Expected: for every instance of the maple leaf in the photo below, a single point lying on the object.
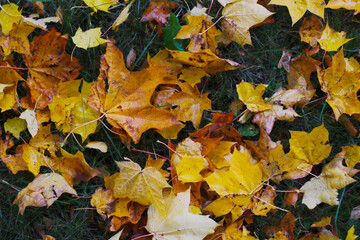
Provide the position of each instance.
(104, 201)
(201, 33)
(239, 17)
(69, 108)
(49, 64)
(297, 8)
(311, 30)
(43, 191)
(252, 97)
(144, 186)
(341, 86)
(88, 39)
(347, 4)
(127, 101)
(101, 5)
(265, 202)
(234, 232)
(9, 16)
(352, 155)
(331, 40)
(40, 151)
(236, 180)
(17, 39)
(324, 188)
(192, 75)
(176, 222)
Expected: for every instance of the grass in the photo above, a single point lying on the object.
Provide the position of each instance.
(73, 218)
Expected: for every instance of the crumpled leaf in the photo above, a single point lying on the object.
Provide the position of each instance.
(297, 8)
(323, 188)
(243, 177)
(88, 39)
(158, 11)
(205, 59)
(126, 103)
(176, 222)
(144, 186)
(341, 86)
(101, 5)
(311, 30)
(331, 40)
(240, 16)
(43, 191)
(48, 65)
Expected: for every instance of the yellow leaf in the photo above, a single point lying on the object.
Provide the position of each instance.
(9, 16)
(265, 202)
(206, 60)
(102, 5)
(325, 221)
(188, 170)
(331, 40)
(122, 17)
(236, 204)
(350, 235)
(323, 188)
(43, 191)
(221, 155)
(243, 177)
(311, 30)
(252, 97)
(174, 221)
(32, 124)
(103, 200)
(144, 186)
(15, 126)
(17, 40)
(310, 147)
(240, 16)
(341, 86)
(347, 4)
(352, 155)
(88, 39)
(297, 8)
(192, 75)
(233, 232)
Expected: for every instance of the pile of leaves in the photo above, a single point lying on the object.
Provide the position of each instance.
(215, 180)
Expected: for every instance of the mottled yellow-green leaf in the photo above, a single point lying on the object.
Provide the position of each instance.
(15, 126)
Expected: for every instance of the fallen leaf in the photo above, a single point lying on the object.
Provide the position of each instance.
(347, 4)
(331, 40)
(144, 186)
(297, 8)
(176, 222)
(192, 75)
(101, 146)
(239, 17)
(88, 39)
(252, 96)
(265, 202)
(32, 124)
(43, 191)
(101, 5)
(311, 30)
(325, 221)
(350, 234)
(122, 17)
(158, 11)
(341, 86)
(15, 126)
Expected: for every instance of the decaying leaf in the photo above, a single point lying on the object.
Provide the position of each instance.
(43, 191)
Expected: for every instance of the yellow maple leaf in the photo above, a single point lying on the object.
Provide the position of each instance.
(310, 147)
(234, 232)
(43, 191)
(88, 39)
(323, 188)
(17, 39)
(236, 204)
(201, 33)
(252, 96)
(239, 17)
(350, 235)
(9, 17)
(188, 170)
(192, 75)
(102, 5)
(341, 86)
(297, 8)
(331, 40)
(144, 186)
(237, 179)
(174, 221)
(347, 4)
